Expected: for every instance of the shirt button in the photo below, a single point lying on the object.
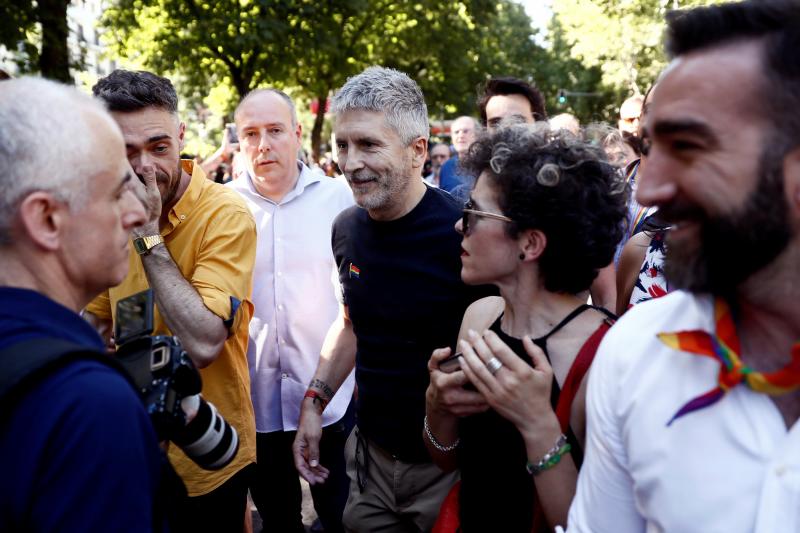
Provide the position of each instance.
(780, 470)
(183, 217)
(282, 341)
(280, 307)
(284, 375)
(280, 274)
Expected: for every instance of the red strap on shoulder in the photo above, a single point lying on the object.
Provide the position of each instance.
(576, 373)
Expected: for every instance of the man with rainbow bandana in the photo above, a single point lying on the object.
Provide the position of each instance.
(693, 399)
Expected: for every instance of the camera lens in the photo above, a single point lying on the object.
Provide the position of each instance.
(208, 439)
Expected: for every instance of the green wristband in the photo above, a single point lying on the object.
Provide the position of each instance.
(551, 458)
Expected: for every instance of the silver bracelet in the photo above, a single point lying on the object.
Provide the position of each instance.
(435, 442)
(551, 458)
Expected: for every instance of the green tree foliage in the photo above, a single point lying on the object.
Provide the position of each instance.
(37, 32)
(586, 96)
(599, 51)
(449, 47)
(621, 37)
(240, 42)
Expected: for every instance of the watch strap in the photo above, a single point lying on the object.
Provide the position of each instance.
(146, 243)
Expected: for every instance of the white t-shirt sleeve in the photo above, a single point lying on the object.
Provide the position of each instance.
(604, 501)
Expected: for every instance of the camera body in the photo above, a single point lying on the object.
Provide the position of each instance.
(169, 386)
(165, 376)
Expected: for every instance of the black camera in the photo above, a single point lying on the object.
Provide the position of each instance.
(169, 385)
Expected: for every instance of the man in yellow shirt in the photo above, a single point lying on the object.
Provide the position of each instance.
(196, 252)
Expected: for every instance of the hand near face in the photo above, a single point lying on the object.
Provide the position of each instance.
(151, 199)
(518, 392)
(446, 393)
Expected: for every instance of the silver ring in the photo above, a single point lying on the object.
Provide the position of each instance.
(494, 365)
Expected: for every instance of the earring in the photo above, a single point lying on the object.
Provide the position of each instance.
(521, 257)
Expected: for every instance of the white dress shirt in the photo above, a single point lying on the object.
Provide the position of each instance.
(294, 293)
(730, 467)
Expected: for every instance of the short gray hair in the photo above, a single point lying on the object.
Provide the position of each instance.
(390, 92)
(45, 144)
(286, 98)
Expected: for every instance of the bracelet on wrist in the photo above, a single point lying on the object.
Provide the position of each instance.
(436, 443)
(316, 397)
(551, 458)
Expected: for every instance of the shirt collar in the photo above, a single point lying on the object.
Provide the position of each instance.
(305, 179)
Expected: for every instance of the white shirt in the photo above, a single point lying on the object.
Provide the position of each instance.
(294, 293)
(730, 467)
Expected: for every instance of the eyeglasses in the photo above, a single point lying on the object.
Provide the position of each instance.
(469, 212)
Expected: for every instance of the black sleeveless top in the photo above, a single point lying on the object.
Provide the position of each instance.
(497, 493)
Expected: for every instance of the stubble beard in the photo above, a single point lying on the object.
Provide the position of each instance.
(386, 189)
(172, 183)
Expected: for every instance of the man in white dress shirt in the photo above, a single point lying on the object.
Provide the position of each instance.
(294, 292)
(675, 443)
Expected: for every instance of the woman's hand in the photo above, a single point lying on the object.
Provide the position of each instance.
(445, 401)
(446, 395)
(518, 392)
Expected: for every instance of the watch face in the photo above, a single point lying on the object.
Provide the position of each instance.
(139, 245)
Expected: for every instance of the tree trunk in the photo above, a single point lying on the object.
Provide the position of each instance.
(54, 59)
(316, 131)
(241, 81)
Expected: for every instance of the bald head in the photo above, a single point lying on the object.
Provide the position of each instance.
(629, 114)
(565, 121)
(50, 138)
(464, 131)
(254, 97)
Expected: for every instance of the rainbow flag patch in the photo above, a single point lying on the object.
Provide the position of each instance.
(354, 271)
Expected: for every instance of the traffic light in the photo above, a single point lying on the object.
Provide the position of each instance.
(562, 97)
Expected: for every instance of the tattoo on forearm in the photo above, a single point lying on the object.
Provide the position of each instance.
(322, 387)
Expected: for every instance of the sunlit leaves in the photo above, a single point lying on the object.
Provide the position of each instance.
(621, 37)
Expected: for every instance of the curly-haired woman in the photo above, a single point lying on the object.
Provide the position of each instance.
(546, 213)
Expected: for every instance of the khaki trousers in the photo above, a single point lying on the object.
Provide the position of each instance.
(388, 495)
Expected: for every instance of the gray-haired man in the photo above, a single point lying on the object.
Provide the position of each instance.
(399, 265)
(77, 450)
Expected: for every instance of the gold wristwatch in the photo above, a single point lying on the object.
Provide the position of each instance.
(142, 245)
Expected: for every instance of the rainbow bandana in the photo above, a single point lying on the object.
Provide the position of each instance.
(725, 348)
(641, 214)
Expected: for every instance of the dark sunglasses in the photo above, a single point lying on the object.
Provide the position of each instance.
(467, 218)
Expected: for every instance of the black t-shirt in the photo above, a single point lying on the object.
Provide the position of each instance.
(401, 281)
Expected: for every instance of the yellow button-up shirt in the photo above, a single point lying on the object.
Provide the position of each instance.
(211, 236)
